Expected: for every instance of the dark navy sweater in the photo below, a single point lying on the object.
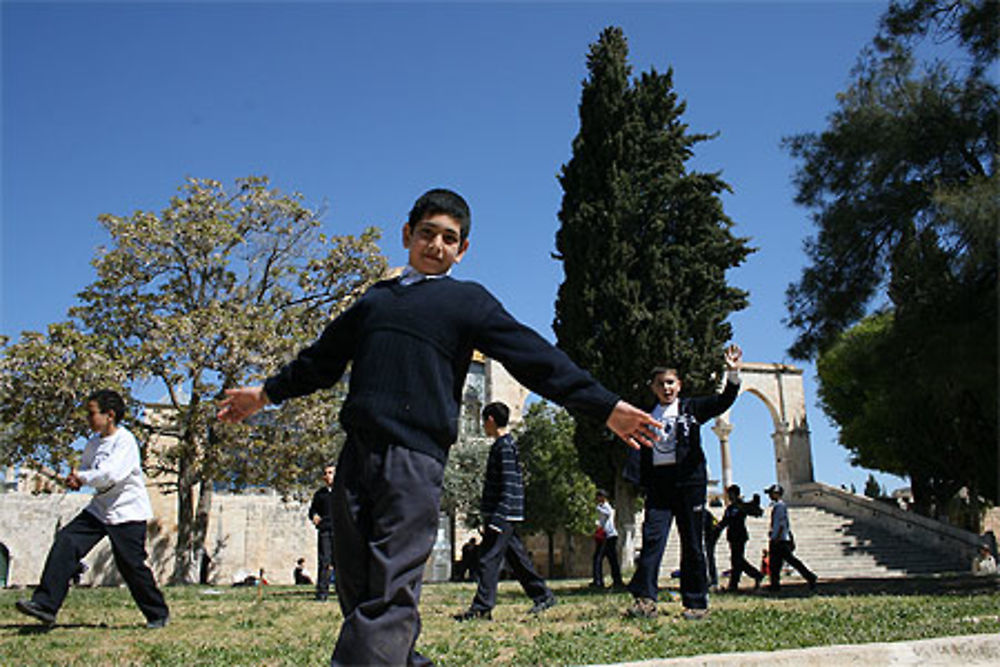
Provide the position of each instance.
(410, 347)
(503, 487)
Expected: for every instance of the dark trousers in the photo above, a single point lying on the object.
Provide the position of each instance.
(385, 520)
(781, 553)
(324, 563)
(710, 540)
(738, 564)
(128, 546)
(607, 548)
(496, 548)
(683, 504)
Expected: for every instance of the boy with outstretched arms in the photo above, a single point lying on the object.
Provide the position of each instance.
(674, 476)
(410, 341)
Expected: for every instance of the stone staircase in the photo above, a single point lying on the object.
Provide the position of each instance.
(834, 546)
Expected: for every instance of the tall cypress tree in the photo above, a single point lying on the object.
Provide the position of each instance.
(644, 243)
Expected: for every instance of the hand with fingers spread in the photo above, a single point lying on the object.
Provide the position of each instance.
(734, 357)
(241, 403)
(633, 425)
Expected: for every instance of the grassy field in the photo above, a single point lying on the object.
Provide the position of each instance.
(282, 625)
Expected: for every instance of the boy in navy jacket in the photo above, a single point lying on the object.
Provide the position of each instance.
(674, 477)
(410, 341)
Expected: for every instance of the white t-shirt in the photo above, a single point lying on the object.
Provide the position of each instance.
(111, 465)
(606, 519)
(665, 447)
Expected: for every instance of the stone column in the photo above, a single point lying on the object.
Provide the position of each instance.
(781, 458)
(722, 429)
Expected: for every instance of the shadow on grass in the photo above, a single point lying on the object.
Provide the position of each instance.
(953, 584)
(39, 629)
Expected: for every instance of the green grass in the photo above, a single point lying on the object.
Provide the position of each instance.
(232, 626)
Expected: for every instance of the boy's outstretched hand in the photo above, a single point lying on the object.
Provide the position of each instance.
(241, 403)
(633, 425)
(734, 357)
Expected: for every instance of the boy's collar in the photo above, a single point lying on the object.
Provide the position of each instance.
(410, 275)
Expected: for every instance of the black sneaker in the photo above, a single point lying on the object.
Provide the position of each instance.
(543, 604)
(33, 609)
(157, 623)
(474, 615)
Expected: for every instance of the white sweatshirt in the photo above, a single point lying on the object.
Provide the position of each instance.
(111, 465)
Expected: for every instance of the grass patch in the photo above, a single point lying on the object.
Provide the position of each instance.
(232, 626)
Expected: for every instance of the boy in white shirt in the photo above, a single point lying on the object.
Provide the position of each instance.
(120, 508)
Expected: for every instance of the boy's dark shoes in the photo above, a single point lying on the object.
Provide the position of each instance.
(543, 604)
(157, 623)
(474, 615)
(642, 608)
(31, 608)
(694, 614)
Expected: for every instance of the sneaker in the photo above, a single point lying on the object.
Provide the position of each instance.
(642, 608)
(32, 608)
(474, 615)
(157, 623)
(694, 614)
(543, 604)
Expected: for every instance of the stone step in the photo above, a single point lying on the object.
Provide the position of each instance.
(833, 546)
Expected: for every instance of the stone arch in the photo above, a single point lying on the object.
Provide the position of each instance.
(780, 388)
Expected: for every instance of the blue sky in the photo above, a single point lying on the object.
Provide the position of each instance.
(106, 108)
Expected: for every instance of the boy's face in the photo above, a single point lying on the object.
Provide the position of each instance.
(435, 243)
(666, 386)
(328, 473)
(99, 422)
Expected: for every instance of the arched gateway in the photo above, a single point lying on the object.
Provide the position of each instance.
(780, 388)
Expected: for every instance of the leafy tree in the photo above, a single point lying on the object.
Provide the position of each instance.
(558, 495)
(872, 487)
(644, 243)
(463, 480)
(906, 200)
(216, 290)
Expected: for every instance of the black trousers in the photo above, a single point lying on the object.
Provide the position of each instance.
(506, 546)
(385, 519)
(324, 563)
(607, 548)
(683, 504)
(128, 546)
(739, 564)
(781, 553)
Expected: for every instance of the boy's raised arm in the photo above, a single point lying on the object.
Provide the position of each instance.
(240, 403)
(633, 425)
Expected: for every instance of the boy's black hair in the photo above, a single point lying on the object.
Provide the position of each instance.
(108, 399)
(663, 369)
(440, 200)
(603, 493)
(500, 413)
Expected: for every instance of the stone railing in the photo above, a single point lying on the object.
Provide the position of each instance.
(921, 530)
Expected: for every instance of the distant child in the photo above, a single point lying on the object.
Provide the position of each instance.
(410, 342)
(674, 477)
(780, 544)
(299, 574)
(607, 546)
(119, 510)
(321, 516)
(502, 508)
(734, 522)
